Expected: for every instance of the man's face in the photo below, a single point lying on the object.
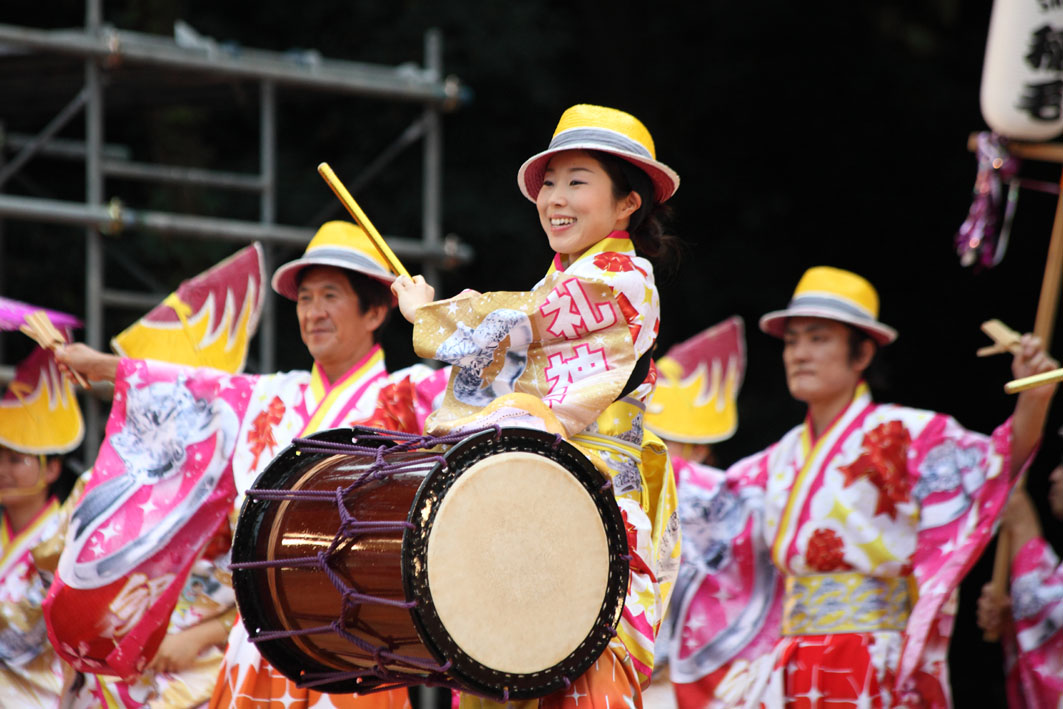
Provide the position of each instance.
(817, 362)
(331, 322)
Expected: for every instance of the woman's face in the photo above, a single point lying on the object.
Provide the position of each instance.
(18, 470)
(576, 204)
(23, 478)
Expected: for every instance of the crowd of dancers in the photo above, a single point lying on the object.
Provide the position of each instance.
(820, 572)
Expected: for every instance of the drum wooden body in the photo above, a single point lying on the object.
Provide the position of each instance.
(498, 566)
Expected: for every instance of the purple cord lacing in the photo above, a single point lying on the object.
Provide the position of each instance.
(349, 529)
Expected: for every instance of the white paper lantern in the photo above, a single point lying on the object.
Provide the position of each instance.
(1022, 78)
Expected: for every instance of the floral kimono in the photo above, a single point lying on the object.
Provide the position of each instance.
(31, 674)
(1035, 652)
(832, 562)
(564, 357)
(182, 445)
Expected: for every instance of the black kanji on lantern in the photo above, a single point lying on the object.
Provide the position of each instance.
(1046, 49)
(1043, 100)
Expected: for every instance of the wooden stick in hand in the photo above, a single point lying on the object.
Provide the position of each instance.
(325, 170)
(1036, 380)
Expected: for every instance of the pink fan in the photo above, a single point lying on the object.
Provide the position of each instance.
(13, 314)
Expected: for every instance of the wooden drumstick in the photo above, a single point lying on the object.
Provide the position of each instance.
(1036, 380)
(998, 584)
(359, 216)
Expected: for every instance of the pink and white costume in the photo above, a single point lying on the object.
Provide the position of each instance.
(828, 565)
(1035, 652)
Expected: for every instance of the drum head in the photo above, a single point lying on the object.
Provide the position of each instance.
(517, 562)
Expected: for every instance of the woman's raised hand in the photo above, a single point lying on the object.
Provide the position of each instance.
(412, 294)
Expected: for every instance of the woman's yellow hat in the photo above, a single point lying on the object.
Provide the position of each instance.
(834, 294)
(587, 127)
(339, 244)
(39, 413)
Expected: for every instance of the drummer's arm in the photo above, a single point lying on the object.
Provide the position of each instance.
(412, 294)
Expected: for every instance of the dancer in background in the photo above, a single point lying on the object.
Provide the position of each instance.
(39, 422)
(208, 321)
(1030, 622)
(870, 514)
(693, 407)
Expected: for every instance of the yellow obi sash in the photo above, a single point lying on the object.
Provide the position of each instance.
(823, 604)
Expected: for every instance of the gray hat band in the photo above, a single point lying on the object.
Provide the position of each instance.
(816, 301)
(605, 138)
(358, 261)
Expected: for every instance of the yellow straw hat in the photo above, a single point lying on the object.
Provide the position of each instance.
(696, 398)
(339, 244)
(39, 413)
(587, 127)
(834, 294)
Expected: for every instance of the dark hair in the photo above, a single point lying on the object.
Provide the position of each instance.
(646, 225)
(370, 291)
(857, 338)
(65, 482)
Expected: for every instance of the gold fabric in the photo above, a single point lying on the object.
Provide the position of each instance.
(574, 349)
(822, 604)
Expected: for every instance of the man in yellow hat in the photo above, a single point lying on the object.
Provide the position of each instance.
(39, 421)
(870, 514)
(341, 289)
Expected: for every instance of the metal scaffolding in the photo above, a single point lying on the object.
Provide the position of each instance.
(100, 47)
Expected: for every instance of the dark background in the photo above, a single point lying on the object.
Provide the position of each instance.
(832, 133)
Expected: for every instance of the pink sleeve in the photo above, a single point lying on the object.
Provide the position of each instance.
(727, 607)
(961, 480)
(1037, 605)
(161, 485)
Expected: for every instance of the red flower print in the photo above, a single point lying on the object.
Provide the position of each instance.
(884, 462)
(826, 551)
(395, 409)
(630, 315)
(261, 434)
(613, 262)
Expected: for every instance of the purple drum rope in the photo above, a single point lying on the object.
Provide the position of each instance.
(351, 528)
